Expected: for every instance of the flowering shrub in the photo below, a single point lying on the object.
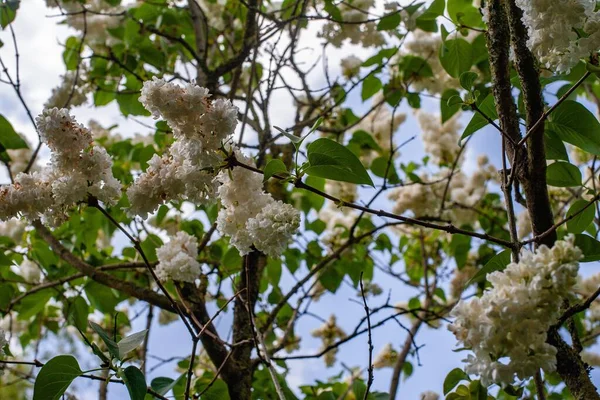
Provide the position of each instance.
(276, 182)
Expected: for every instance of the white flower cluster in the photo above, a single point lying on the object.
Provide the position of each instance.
(429, 395)
(366, 33)
(70, 93)
(386, 358)
(509, 322)
(95, 24)
(13, 229)
(338, 220)
(426, 45)
(591, 358)
(77, 169)
(552, 29)
(250, 216)
(30, 271)
(524, 228)
(19, 159)
(381, 123)
(200, 128)
(440, 140)
(350, 66)
(177, 259)
(329, 333)
(463, 193)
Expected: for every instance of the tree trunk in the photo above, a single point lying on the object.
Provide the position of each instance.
(530, 164)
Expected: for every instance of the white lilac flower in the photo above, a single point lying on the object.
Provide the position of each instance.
(365, 33)
(429, 395)
(77, 169)
(272, 228)
(187, 171)
(440, 140)
(70, 93)
(177, 259)
(30, 271)
(329, 333)
(351, 66)
(250, 216)
(552, 30)
(506, 327)
(13, 229)
(386, 358)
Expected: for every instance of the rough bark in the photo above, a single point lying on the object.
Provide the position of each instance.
(534, 184)
(239, 382)
(505, 24)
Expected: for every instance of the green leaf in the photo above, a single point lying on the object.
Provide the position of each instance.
(131, 342)
(575, 124)
(275, 167)
(7, 14)
(130, 105)
(563, 174)
(217, 391)
(463, 12)
(71, 53)
(9, 139)
(333, 11)
(460, 246)
(135, 382)
(487, 107)
(581, 221)
(113, 347)
(435, 10)
(389, 22)
(379, 166)
(101, 297)
(456, 56)
(467, 79)
(330, 160)
(370, 86)
(163, 385)
(589, 246)
(55, 377)
(293, 138)
(232, 259)
(555, 148)
(448, 108)
(77, 311)
(33, 304)
(453, 378)
(496, 263)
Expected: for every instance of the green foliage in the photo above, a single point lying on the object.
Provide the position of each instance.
(456, 56)
(370, 86)
(453, 378)
(135, 381)
(563, 174)
(575, 124)
(589, 246)
(163, 385)
(275, 167)
(497, 263)
(478, 121)
(55, 377)
(331, 160)
(582, 214)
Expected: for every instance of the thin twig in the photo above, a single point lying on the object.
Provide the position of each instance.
(369, 340)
